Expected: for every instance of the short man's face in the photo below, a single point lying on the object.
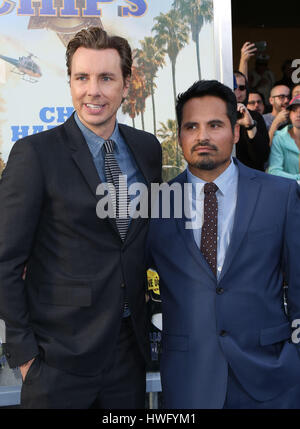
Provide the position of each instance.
(97, 88)
(240, 91)
(295, 116)
(206, 135)
(280, 97)
(255, 103)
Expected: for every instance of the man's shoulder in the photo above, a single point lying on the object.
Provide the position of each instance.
(277, 183)
(180, 178)
(48, 137)
(45, 135)
(268, 115)
(136, 133)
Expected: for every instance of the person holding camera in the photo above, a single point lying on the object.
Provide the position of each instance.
(252, 147)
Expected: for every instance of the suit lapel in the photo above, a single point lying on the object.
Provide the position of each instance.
(138, 150)
(187, 234)
(83, 159)
(248, 192)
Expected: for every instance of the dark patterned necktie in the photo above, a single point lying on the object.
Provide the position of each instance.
(112, 173)
(209, 231)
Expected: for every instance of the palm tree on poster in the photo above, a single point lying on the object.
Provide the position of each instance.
(136, 88)
(2, 165)
(196, 12)
(142, 87)
(172, 163)
(171, 35)
(150, 58)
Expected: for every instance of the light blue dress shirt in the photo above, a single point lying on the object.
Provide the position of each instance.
(284, 156)
(226, 195)
(122, 153)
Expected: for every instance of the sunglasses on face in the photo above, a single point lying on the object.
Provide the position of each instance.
(241, 87)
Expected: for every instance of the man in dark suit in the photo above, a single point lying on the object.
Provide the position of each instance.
(77, 325)
(226, 337)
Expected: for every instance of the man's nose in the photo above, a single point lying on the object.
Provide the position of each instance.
(202, 134)
(93, 88)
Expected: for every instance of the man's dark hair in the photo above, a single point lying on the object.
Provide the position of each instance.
(260, 94)
(214, 88)
(97, 38)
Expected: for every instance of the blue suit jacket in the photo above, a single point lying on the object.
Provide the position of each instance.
(240, 319)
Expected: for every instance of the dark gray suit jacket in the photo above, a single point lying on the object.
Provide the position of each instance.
(70, 304)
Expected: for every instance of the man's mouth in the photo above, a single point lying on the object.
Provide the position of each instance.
(94, 107)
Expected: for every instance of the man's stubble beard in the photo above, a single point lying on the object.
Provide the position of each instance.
(208, 164)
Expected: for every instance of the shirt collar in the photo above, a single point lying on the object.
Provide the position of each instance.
(224, 181)
(95, 142)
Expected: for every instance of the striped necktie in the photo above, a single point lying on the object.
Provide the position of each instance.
(112, 174)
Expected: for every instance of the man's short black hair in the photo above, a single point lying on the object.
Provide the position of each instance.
(214, 88)
(252, 91)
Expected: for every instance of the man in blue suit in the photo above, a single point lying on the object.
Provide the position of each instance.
(227, 339)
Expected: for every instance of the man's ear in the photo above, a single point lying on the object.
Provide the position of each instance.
(236, 133)
(178, 137)
(271, 100)
(127, 81)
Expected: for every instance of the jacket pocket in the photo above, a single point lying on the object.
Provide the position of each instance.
(276, 334)
(79, 296)
(175, 342)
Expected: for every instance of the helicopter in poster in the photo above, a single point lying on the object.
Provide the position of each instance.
(24, 66)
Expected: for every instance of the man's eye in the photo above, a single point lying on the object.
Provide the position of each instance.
(106, 78)
(81, 78)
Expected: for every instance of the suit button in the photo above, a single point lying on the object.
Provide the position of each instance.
(219, 290)
(7, 354)
(223, 333)
(122, 285)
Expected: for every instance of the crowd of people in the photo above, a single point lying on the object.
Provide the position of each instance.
(273, 145)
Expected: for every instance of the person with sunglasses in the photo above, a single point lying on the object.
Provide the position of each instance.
(252, 148)
(279, 100)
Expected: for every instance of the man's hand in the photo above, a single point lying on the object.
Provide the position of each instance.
(248, 50)
(282, 117)
(25, 367)
(246, 119)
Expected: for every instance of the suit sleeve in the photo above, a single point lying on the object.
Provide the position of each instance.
(292, 251)
(21, 197)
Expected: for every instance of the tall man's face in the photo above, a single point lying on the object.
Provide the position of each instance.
(97, 88)
(206, 136)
